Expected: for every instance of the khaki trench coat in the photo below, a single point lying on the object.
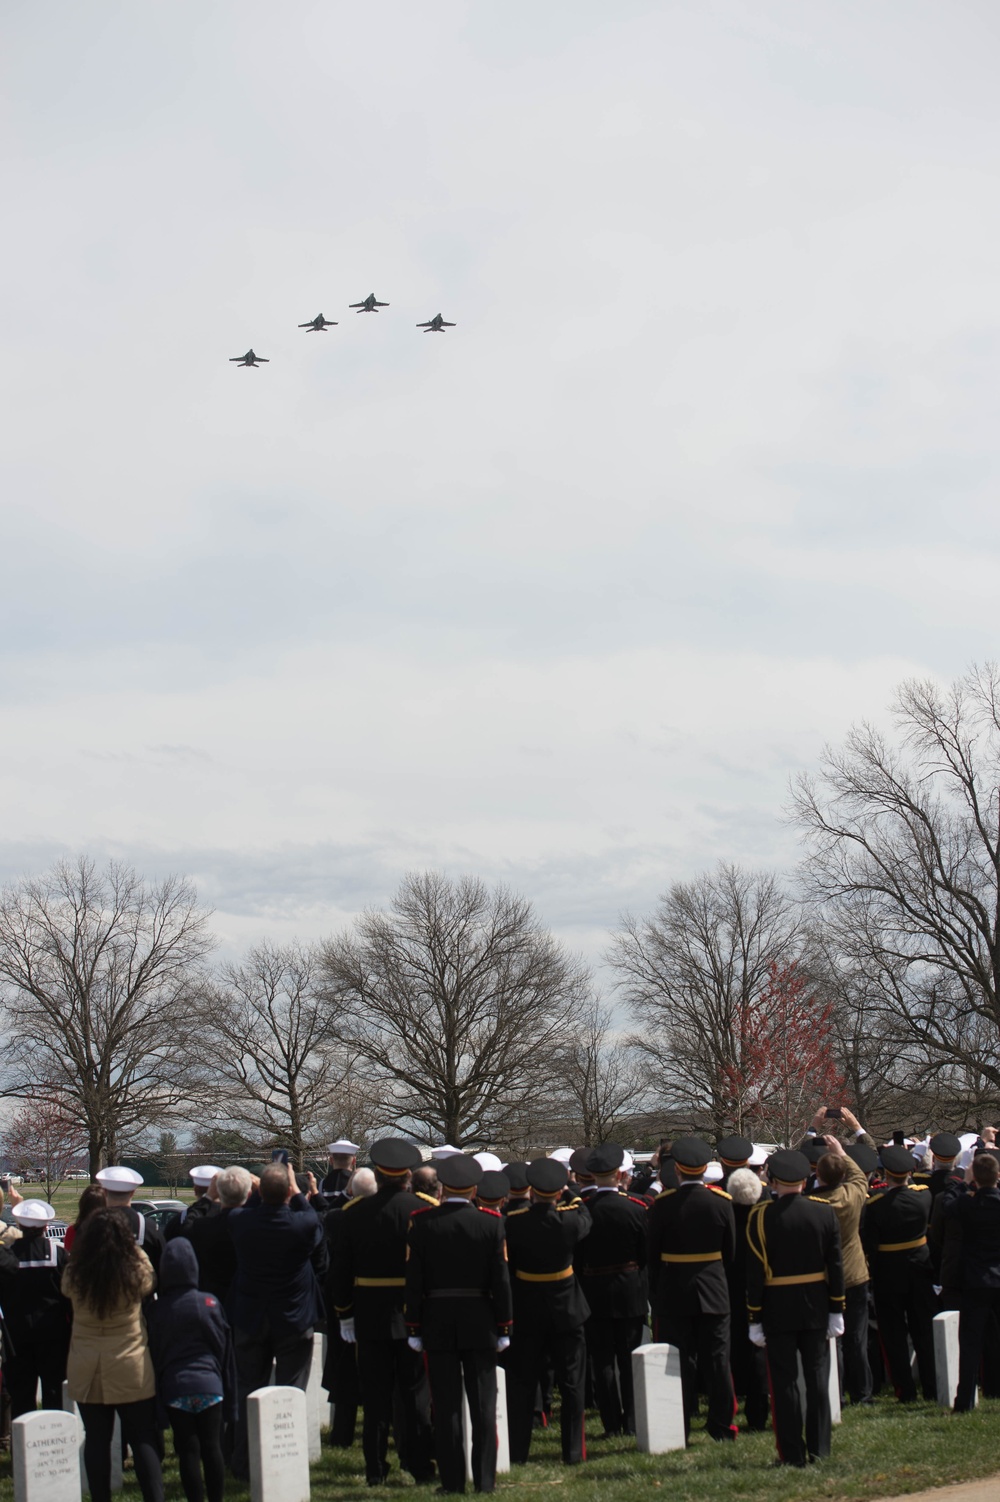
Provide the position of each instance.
(109, 1358)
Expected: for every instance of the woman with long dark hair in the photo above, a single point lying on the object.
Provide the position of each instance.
(109, 1367)
(93, 1198)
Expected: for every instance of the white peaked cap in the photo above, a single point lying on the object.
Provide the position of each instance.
(758, 1156)
(918, 1149)
(713, 1173)
(34, 1213)
(562, 1154)
(488, 1162)
(203, 1174)
(342, 1148)
(119, 1180)
(628, 1162)
(445, 1151)
(968, 1139)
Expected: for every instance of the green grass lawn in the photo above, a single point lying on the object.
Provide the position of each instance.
(877, 1452)
(66, 1199)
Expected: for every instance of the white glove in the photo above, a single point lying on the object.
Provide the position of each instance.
(835, 1324)
(415, 1343)
(937, 1289)
(503, 1341)
(347, 1331)
(757, 1336)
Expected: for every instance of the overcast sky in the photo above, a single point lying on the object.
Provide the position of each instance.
(563, 596)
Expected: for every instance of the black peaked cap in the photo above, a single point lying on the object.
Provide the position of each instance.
(734, 1150)
(458, 1171)
(945, 1145)
(393, 1155)
(814, 1151)
(898, 1160)
(493, 1185)
(607, 1158)
(579, 1159)
(517, 1175)
(547, 1175)
(692, 1153)
(865, 1157)
(788, 1166)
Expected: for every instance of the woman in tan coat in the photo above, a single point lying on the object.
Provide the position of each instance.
(109, 1367)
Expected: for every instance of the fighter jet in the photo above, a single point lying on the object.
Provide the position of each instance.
(248, 359)
(370, 304)
(435, 325)
(319, 324)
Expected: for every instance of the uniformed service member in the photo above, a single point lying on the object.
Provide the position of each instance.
(519, 1195)
(367, 1282)
(549, 1309)
(201, 1179)
(894, 1236)
(795, 1302)
(492, 1190)
(691, 1243)
(120, 1184)
(945, 1148)
(611, 1267)
(733, 1153)
(36, 1316)
(343, 1159)
(458, 1311)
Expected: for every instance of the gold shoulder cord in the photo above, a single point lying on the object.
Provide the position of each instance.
(756, 1222)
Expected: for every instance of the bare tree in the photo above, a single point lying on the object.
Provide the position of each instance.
(458, 998)
(602, 1079)
(45, 1138)
(283, 1067)
(905, 854)
(689, 975)
(102, 981)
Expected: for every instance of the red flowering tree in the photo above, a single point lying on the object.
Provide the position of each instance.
(787, 1057)
(45, 1139)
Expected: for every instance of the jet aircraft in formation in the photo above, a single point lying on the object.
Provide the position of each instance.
(435, 325)
(319, 325)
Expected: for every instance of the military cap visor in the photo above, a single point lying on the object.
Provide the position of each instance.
(459, 1172)
(394, 1156)
(734, 1151)
(788, 1167)
(517, 1176)
(897, 1160)
(494, 1186)
(547, 1175)
(945, 1145)
(607, 1158)
(691, 1155)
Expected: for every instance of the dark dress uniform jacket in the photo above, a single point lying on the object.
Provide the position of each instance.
(611, 1262)
(213, 1247)
(368, 1262)
(457, 1286)
(541, 1242)
(691, 1241)
(795, 1273)
(894, 1227)
(977, 1211)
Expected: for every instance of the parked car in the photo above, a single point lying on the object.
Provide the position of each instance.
(56, 1229)
(160, 1212)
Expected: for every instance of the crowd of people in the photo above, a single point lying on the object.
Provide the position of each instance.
(428, 1273)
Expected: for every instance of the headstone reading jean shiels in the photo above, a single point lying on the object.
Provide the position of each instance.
(46, 1457)
(659, 1399)
(279, 1445)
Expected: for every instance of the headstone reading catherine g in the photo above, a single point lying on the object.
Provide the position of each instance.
(659, 1399)
(279, 1445)
(46, 1457)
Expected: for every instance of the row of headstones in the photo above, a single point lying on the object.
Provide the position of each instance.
(284, 1426)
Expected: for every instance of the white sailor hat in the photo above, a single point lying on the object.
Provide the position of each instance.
(758, 1156)
(33, 1213)
(713, 1173)
(561, 1154)
(488, 1162)
(342, 1148)
(118, 1180)
(445, 1151)
(628, 1163)
(203, 1174)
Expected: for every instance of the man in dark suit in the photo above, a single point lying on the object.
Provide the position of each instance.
(795, 1302)
(458, 1311)
(366, 1285)
(274, 1303)
(611, 1265)
(691, 1243)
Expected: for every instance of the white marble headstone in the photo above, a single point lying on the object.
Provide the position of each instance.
(946, 1357)
(503, 1438)
(659, 1399)
(315, 1400)
(279, 1445)
(116, 1444)
(46, 1447)
(833, 1383)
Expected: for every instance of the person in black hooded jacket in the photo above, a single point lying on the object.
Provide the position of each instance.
(192, 1351)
